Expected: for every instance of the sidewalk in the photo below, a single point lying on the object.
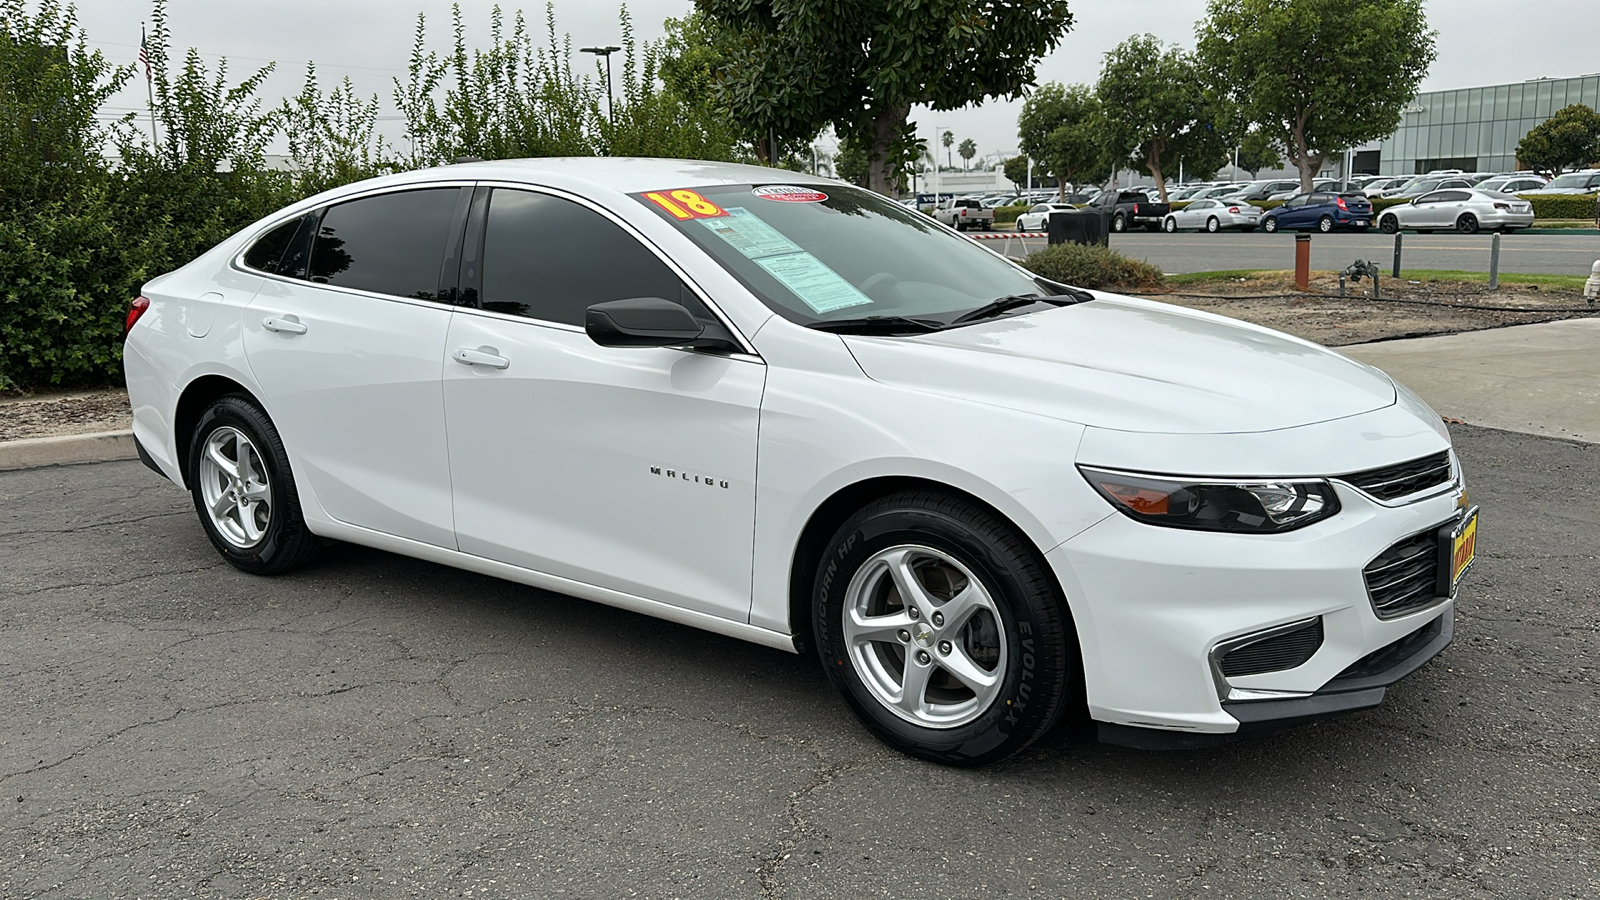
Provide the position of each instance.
(1537, 379)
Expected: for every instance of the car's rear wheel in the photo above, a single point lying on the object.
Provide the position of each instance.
(1119, 223)
(1170, 225)
(1389, 225)
(244, 491)
(943, 629)
(1212, 225)
(1325, 224)
(1467, 224)
(1270, 225)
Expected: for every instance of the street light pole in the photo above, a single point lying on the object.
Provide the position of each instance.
(605, 52)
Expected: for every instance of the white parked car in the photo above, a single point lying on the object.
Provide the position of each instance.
(1466, 210)
(1038, 218)
(1586, 181)
(794, 412)
(1512, 184)
(1213, 216)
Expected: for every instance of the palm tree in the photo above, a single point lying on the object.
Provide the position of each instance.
(947, 139)
(967, 150)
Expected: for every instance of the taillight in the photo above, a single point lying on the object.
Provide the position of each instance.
(134, 312)
(1233, 209)
(1502, 206)
(1136, 209)
(1340, 201)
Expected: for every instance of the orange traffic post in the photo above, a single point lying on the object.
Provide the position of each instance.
(1302, 262)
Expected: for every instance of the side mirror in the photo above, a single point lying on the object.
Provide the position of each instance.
(641, 322)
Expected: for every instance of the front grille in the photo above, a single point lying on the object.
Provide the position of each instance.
(1283, 651)
(1405, 577)
(1401, 480)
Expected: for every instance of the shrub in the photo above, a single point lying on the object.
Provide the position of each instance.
(1562, 206)
(1005, 215)
(1094, 266)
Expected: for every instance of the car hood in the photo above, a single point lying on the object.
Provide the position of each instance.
(1132, 365)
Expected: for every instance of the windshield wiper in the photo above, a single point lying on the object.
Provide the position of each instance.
(1015, 301)
(877, 325)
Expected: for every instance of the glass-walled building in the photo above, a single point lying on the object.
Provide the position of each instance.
(1476, 129)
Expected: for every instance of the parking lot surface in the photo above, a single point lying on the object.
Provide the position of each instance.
(1547, 254)
(376, 726)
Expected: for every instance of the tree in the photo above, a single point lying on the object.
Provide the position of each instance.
(1155, 109)
(1570, 139)
(947, 139)
(1257, 152)
(968, 150)
(1061, 128)
(1016, 170)
(1318, 76)
(798, 65)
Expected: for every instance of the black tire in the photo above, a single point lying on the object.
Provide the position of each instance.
(1270, 224)
(1325, 224)
(1039, 670)
(1119, 223)
(1389, 225)
(961, 226)
(1467, 224)
(986, 226)
(1170, 225)
(286, 543)
(1213, 226)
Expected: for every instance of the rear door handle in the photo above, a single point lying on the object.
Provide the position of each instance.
(283, 325)
(480, 358)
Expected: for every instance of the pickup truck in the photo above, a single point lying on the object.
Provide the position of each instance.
(964, 214)
(1130, 208)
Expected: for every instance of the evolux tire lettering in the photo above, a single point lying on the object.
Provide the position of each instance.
(1024, 687)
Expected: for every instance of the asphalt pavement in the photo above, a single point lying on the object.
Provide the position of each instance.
(376, 726)
(1540, 254)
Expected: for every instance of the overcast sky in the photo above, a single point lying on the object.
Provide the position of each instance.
(369, 40)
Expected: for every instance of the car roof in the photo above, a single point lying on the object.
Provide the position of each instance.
(624, 174)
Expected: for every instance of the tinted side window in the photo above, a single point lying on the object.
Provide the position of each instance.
(551, 259)
(1452, 196)
(389, 244)
(282, 251)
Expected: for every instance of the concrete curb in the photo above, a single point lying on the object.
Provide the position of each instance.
(101, 446)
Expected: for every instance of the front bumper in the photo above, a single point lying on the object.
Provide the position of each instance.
(1152, 604)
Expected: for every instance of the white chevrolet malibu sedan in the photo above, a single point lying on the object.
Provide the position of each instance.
(791, 411)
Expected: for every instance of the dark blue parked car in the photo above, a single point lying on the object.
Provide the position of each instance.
(1323, 211)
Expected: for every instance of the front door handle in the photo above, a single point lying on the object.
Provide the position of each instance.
(283, 325)
(480, 358)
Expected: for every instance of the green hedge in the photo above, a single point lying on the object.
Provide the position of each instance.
(1006, 215)
(1094, 266)
(1563, 206)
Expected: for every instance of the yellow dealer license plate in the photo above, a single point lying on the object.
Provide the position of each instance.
(1461, 544)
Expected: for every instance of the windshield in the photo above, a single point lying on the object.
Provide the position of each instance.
(1572, 180)
(819, 253)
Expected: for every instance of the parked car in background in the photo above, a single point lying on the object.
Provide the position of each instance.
(1513, 184)
(1323, 211)
(1038, 217)
(963, 213)
(1187, 192)
(1321, 184)
(997, 202)
(1261, 190)
(1130, 208)
(1213, 216)
(1424, 184)
(1584, 182)
(1221, 190)
(1377, 186)
(1466, 211)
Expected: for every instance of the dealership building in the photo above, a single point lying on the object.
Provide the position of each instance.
(1472, 129)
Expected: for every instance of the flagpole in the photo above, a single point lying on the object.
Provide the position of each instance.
(149, 90)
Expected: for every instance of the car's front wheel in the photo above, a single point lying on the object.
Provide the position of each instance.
(1389, 224)
(943, 629)
(244, 491)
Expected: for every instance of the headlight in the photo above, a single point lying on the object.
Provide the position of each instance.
(1216, 504)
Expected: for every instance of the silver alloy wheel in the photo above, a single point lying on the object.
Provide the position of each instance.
(233, 483)
(925, 636)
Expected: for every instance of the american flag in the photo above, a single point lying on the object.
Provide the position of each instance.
(144, 58)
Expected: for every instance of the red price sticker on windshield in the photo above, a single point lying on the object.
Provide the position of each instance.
(685, 205)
